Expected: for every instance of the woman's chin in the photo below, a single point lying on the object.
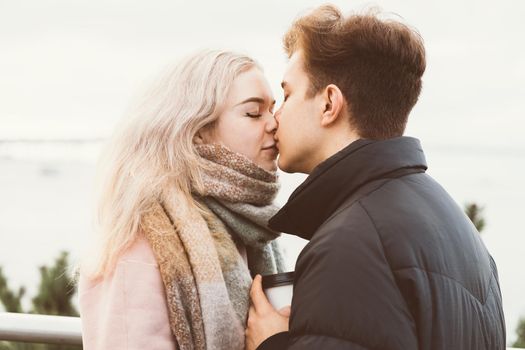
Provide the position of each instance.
(269, 165)
(272, 167)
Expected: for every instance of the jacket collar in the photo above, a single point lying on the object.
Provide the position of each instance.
(338, 177)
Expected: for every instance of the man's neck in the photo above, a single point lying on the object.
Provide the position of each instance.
(333, 145)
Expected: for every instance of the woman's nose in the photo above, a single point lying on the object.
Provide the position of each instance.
(271, 124)
(277, 115)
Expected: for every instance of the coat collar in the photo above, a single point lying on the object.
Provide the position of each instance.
(338, 177)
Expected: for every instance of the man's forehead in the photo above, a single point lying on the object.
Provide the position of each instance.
(293, 68)
(296, 57)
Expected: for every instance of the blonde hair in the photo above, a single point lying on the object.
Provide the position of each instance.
(153, 150)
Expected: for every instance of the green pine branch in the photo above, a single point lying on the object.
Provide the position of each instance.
(11, 300)
(475, 214)
(520, 331)
(56, 290)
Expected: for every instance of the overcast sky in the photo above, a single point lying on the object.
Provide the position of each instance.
(69, 68)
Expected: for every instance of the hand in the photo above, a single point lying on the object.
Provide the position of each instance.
(263, 320)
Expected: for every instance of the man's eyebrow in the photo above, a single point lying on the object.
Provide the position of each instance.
(254, 99)
(283, 84)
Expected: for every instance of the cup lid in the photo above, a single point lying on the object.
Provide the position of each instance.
(278, 279)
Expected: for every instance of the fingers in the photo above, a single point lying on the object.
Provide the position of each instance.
(259, 300)
(285, 311)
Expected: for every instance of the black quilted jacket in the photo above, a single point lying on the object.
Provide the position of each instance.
(393, 263)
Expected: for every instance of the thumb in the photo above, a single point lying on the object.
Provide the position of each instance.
(259, 300)
(285, 311)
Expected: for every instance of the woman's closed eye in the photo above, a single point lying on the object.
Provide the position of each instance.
(253, 115)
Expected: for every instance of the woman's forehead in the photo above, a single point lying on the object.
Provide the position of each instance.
(250, 87)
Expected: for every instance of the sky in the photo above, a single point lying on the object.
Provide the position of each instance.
(69, 69)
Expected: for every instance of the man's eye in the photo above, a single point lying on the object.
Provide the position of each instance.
(286, 97)
(253, 115)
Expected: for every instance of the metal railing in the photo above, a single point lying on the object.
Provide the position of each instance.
(32, 328)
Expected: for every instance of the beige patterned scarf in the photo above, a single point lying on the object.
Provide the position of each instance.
(206, 279)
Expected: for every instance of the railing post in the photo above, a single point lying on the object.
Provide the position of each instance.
(47, 329)
(40, 328)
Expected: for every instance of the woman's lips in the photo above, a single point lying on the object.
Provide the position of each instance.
(273, 146)
(272, 149)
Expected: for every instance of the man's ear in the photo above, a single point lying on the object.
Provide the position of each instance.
(334, 105)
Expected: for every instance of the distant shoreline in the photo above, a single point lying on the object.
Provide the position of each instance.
(456, 149)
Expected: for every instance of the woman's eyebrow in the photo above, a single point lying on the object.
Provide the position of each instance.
(254, 99)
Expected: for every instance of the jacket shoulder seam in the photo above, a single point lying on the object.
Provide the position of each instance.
(417, 267)
(452, 279)
(382, 245)
(375, 229)
(357, 200)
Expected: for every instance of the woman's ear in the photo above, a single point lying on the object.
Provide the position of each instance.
(334, 103)
(204, 135)
(198, 139)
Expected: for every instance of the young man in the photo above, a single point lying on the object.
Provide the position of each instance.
(392, 263)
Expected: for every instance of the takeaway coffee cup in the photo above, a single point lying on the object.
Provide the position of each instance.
(279, 289)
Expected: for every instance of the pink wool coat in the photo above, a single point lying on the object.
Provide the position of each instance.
(128, 309)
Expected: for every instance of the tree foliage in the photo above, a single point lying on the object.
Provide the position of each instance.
(12, 301)
(56, 290)
(54, 297)
(475, 214)
(520, 332)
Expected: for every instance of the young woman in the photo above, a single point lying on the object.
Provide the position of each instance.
(186, 192)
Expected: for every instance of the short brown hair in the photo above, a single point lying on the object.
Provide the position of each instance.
(377, 64)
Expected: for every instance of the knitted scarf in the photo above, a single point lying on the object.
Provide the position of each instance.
(206, 279)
